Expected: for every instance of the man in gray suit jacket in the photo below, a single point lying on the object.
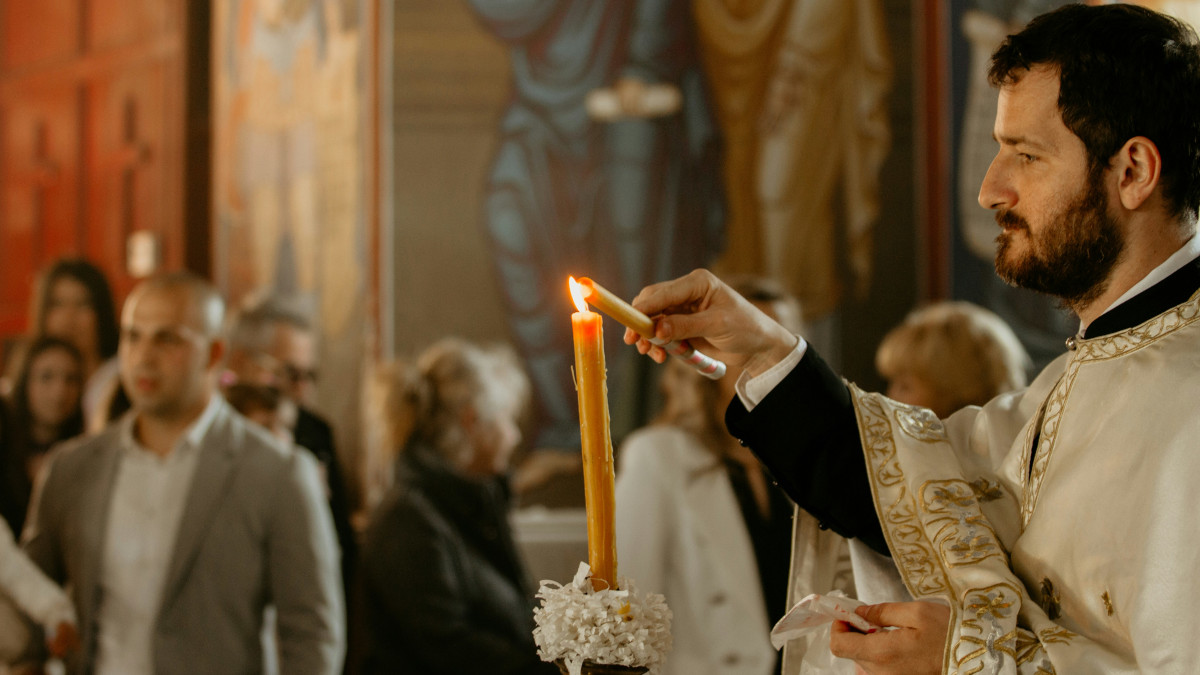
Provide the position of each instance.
(177, 526)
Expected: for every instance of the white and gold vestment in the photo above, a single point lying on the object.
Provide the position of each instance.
(1059, 522)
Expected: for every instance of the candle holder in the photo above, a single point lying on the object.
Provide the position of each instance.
(590, 668)
(601, 632)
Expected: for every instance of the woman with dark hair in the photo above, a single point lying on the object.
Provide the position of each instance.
(43, 409)
(73, 301)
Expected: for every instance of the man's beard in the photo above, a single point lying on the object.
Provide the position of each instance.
(1073, 257)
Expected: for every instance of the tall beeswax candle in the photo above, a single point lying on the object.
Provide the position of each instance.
(592, 392)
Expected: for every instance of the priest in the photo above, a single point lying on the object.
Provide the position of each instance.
(1053, 528)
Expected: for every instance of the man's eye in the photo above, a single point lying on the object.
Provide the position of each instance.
(1027, 158)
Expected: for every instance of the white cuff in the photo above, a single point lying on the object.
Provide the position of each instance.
(752, 390)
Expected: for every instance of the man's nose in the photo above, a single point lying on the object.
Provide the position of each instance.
(995, 192)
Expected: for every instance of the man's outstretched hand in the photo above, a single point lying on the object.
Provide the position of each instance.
(916, 644)
(703, 310)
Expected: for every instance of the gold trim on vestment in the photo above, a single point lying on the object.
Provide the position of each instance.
(1087, 351)
(983, 629)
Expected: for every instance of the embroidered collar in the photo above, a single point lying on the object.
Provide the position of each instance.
(1174, 290)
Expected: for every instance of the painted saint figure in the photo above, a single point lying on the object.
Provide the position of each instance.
(626, 200)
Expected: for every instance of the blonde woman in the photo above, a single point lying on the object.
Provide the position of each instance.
(445, 588)
(950, 355)
(699, 521)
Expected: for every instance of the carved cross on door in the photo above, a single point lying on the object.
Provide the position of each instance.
(132, 155)
(40, 179)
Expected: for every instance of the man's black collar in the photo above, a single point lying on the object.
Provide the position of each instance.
(1174, 290)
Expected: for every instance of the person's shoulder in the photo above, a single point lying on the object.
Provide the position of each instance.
(664, 438)
(309, 418)
(82, 450)
(663, 446)
(314, 434)
(405, 511)
(254, 439)
(77, 462)
(259, 450)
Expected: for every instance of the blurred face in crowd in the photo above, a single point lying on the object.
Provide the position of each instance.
(913, 389)
(294, 355)
(54, 388)
(166, 356)
(495, 435)
(70, 315)
(1058, 236)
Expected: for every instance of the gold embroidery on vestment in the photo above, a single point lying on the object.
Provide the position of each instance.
(1094, 349)
(920, 423)
(1050, 601)
(986, 491)
(914, 554)
(989, 633)
(937, 527)
(963, 536)
(1056, 635)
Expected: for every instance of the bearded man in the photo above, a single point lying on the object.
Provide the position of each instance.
(1051, 529)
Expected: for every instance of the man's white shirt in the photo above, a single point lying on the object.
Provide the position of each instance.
(148, 499)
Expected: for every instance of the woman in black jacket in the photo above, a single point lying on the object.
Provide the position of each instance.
(445, 588)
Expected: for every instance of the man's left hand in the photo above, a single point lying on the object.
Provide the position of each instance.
(915, 645)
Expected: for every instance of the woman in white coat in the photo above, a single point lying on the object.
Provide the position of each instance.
(699, 522)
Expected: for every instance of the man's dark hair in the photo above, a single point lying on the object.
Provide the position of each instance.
(1124, 71)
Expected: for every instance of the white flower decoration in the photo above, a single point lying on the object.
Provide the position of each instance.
(614, 627)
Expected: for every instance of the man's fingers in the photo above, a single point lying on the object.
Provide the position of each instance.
(915, 643)
(683, 326)
(686, 291)
(644, 346)
(847, 642)
(655, 352)
(880, 648)
(904, 614)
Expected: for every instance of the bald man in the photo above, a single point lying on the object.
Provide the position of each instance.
(178, 526)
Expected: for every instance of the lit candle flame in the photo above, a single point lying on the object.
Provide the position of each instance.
(577, 294)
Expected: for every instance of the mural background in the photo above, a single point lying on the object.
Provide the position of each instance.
(291, 108)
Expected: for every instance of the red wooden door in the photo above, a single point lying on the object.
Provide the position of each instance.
(93, 108)
(39, 171)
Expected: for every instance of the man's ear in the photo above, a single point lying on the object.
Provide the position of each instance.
(1138, 166)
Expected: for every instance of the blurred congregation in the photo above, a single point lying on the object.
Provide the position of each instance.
(286, 344)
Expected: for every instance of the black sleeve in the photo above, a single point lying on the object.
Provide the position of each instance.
(806, 434)
(316, 435)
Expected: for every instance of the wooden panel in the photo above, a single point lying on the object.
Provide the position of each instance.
(36, 32)
(93, 102)
(39, 171)
(111, 23)
(126, 158)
